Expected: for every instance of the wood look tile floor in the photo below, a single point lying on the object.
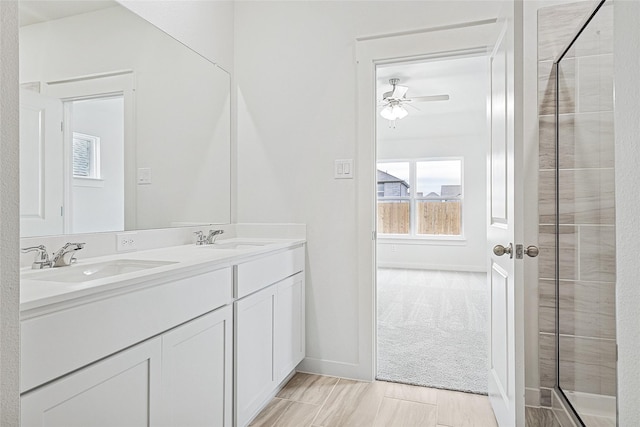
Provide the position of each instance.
(320, 401)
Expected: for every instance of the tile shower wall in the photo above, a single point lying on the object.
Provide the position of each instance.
(587, 217)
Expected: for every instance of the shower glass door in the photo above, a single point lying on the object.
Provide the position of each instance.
(585, 284)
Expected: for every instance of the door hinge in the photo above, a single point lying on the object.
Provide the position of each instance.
(373, 235)
(61, 210)
(61, 126)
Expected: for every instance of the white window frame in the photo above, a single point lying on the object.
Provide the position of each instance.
(413, 199)
(94, 159)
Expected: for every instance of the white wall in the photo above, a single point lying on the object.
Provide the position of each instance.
(300, 56)
(204, 26)
(9, 222)
(99, 205)
(627, 154)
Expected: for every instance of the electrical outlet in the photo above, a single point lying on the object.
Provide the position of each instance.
(126, 242)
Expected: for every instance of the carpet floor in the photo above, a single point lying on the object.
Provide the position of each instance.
(433, 328)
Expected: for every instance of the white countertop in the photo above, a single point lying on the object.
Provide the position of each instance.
(186, 260)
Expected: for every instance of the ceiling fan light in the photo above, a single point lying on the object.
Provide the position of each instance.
(400, 112)
(387, 113)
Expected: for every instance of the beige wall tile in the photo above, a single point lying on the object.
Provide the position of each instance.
(545, 397)
(308, 388)
(547, 142)
(546, 88)
(587, 309)
(595, 83)
(586, 141)
(547, 197)
(587, 365)
(547, 357)
(597, 37)
(402, 413)
(586, 196)
(598, 253)
(568, 252)
(557, 25)
(547, 306)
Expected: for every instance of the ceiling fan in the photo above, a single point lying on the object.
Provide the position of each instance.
(393, 102)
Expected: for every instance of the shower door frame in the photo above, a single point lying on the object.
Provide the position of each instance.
(556, 72)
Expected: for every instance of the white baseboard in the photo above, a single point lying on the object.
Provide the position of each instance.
(532, 397)
(421, 266)
(331, 368)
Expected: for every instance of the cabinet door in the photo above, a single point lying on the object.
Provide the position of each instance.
(289, 325)
(121, 390)
(197, 372)
(255, 377)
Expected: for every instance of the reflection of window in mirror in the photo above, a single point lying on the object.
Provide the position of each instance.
(86, 156)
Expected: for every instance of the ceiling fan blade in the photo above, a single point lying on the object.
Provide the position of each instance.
(399, 92)
(412, 106)
(430, 98)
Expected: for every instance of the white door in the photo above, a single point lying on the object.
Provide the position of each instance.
(41, 165)
(505, 277)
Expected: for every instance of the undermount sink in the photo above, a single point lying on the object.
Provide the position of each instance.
(237, 245)
(83, 273)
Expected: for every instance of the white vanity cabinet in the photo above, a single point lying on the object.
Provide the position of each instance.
(122, 390)
(179, 373)
(197, 372)
(269, 328)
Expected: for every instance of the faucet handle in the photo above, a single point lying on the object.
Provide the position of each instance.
(200, 239)
(42, 256)
(40, 249)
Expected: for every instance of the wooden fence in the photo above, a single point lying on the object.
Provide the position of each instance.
(436, 218)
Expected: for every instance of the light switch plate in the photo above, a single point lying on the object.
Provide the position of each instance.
(144, 176)
(343, 169)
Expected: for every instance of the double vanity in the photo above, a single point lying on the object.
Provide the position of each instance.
(179, 336)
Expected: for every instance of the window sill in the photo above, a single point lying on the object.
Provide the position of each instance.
(431, 240)
(88, 182)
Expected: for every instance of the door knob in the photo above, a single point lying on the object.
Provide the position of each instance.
(501, 250)
(532, 251)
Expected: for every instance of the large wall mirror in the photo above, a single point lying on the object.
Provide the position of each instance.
(121, 126)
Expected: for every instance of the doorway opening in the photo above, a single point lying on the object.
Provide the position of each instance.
(432, 295)
(95, 176)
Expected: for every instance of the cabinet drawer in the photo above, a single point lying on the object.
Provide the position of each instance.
(257, 274)
(60, 342)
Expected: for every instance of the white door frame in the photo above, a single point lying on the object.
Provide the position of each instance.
(472, 37)
(119, 83)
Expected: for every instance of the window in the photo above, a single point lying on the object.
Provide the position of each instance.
(86, 156)
(418, 198)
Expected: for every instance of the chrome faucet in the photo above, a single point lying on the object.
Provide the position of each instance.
(66, 255)
(211, 238)
(42, 257)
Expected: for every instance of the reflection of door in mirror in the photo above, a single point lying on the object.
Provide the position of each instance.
(41, 170)
(94, 139)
